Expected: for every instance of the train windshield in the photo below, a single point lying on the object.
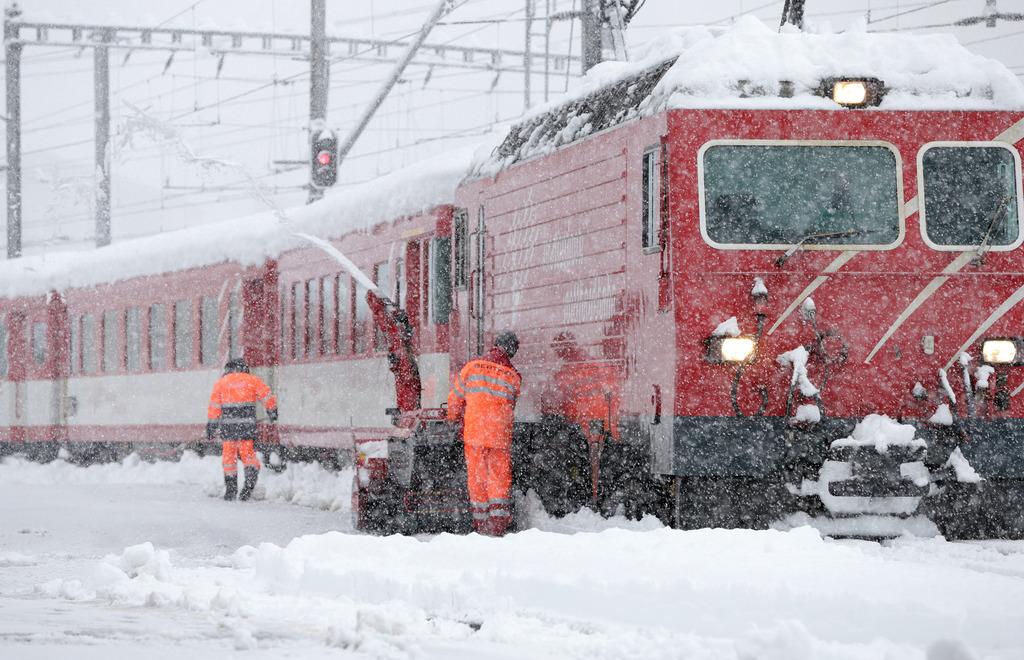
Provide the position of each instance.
(781, 194)
(970, 195)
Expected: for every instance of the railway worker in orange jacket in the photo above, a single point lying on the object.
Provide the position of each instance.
(483, 398)
(232, 418)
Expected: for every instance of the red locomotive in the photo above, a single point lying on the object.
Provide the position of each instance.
(737, 298)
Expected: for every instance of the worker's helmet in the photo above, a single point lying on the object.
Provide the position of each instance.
(508, 342)
(236, 366)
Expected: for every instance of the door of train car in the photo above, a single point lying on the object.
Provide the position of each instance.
(11, 375)
(33, 379)
(475, 251)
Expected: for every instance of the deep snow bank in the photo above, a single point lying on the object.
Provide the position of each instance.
(306, 484)
(303, 484)
(618, 593)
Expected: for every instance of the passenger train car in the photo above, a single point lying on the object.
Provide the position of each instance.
(753, 274)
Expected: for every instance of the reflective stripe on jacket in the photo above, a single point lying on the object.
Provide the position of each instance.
(233, 405)
(484, 396)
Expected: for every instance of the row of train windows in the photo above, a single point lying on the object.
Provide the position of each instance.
(38, 336)
(136, 339)
(330, 316)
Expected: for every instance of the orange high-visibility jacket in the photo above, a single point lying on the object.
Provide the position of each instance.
(484, 396)
(589, 392)
(233, 405)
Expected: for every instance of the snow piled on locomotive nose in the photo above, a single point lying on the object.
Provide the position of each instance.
(880, 432)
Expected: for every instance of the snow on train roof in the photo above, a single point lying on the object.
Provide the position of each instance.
(247, 240)
(744, 66)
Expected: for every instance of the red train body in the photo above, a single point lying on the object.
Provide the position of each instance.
(619, 258)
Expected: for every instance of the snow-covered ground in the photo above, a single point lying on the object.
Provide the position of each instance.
(143, 560)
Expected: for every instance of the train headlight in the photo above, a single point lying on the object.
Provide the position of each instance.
(737, 349)
(999, 351)
(853, 92)
(849, 92)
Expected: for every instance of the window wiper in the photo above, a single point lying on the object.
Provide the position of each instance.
(997, 213)
(798, 245)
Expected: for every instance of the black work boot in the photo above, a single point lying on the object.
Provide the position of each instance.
(251, 475)
(230, 486)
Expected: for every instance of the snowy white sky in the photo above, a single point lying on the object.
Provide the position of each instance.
(238, 117)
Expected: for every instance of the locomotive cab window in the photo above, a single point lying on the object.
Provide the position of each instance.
(972, 194)
(777, 194)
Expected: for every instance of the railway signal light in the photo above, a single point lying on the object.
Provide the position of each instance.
(324, 159)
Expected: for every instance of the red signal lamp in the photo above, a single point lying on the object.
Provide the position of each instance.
(324, 158)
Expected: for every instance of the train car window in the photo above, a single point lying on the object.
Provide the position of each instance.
(209, 330)
(3, 347)
(133, 339)
(313, 317)
(425, 261)
(344, 315)
(359, 327)
(183, 334)
(972, 196)
(382, 278)
(284, 321)
(441, 281)
(650, 182)
(298, 316)
(111, 349)
(329, 315)
(90, 348)
(460, 249)
(157, 337)
(39, 343)
(75, 350)
(780, 194)
(235, 325)
(400, 283)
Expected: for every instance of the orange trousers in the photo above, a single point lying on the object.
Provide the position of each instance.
(489, 478)
(235, 449)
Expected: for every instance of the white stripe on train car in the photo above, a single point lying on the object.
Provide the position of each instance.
(962, 260)
(996, 314)
(836, 264)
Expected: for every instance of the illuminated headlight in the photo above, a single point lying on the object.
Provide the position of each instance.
(737, 349)
(850, 92)
(999, 351)
(853, 92)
